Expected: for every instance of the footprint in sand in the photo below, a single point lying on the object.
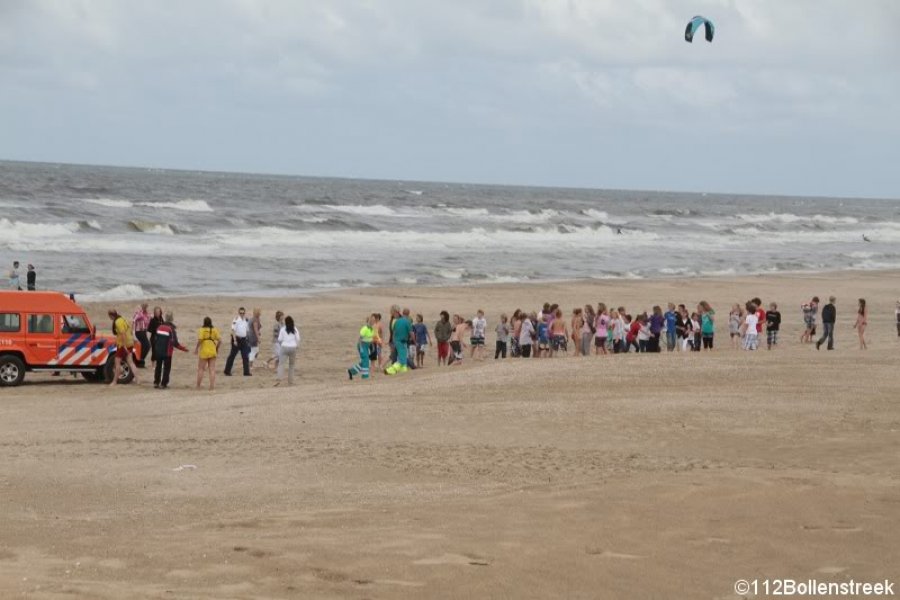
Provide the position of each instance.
(831, 570)
(610, 554)
(453, 559)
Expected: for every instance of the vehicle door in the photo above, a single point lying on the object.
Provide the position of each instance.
(40, 338)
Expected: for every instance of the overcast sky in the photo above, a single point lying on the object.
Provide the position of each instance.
(793, 96)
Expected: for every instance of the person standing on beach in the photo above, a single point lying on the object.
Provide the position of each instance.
(479, 329)
(289, 341)
(14, 283)
(773, 325)
(141, 322)
(166, 343)
(254, 334)
(829, 316)
(31, 278)
(443, 329)
(671, 317)
(502, 331)
(422, 339)
(735, 317)
(707, 324)
(751, 333)
(897, 315)
(155, 321)
(526, 334)
(276, 349)
(657, 323)
(600, 330)
(862, 320)
(364, 349)
(208, 341)
(400, 331)
(239, 330)
(124, 346)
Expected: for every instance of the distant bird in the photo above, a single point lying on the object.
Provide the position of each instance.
(866, 239)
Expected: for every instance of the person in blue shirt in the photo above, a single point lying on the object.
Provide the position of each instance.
(671, 324)
(543, 331)
(423, 339)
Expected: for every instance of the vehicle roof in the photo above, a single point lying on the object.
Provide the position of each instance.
(55, 302)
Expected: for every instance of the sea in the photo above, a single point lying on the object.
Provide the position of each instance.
(111, 233)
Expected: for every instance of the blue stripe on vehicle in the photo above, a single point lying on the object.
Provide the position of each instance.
(66, 343)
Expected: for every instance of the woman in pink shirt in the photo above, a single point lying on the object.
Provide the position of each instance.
(140, 322)
(601, 326)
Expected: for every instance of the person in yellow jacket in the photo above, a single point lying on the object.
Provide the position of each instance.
(363, 346)
(124, 346)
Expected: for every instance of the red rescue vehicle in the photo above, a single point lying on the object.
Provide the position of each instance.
(48, 332)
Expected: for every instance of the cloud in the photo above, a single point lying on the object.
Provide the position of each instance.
(508, 75)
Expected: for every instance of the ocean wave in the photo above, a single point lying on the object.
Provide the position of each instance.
(186, 205)
(151, 227)
(19, 231)
(91, 225)
(479, 237)
(128, 291)
(788, 218)
(110, 202)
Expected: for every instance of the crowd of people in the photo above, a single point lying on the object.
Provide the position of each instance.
(400, 343)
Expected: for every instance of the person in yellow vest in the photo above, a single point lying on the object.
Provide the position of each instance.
(124, 346)
(364, 346)
(208, 341)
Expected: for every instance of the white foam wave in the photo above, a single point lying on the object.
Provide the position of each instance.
(16, 232)
(374, 210)
(186, 205)
(128, 291)
(110, 202)
(774, 217)
(600, 215)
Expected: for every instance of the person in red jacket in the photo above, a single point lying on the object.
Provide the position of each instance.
(164, 346)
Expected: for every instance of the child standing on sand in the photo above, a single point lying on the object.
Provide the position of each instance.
(734, 325)
(810, 310)
(559, 334)
(423, 339)
(526, 334)
(862, 319)
(750, 332)
(897, 315)
(543, 335)
(479, 329)
(575, 330)
(502, 337)
(773, 325)
(601, 329)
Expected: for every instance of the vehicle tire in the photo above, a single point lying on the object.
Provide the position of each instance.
(94, 376)
(109, 370)
(12, 370)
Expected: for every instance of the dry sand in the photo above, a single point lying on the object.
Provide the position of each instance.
(655, 476)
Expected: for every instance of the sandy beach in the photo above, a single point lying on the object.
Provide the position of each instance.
(630, 476)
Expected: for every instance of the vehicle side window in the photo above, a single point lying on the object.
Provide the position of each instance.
(10, 322)
(74, 324)
(40, 324)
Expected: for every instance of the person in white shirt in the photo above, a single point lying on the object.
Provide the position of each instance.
(479, 328)
(240, 327)
(289, 344)
(526, 335)
(751, 340)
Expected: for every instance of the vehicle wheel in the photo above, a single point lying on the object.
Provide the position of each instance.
(12, 370)
(125, 376)
(94, 376)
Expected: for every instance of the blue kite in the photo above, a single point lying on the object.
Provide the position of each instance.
(695, 24)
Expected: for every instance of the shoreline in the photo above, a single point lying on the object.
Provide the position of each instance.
(583, 281)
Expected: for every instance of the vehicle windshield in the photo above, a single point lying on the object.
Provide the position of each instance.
(75, 324)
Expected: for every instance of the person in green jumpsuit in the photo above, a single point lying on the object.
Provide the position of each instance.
(363, 346)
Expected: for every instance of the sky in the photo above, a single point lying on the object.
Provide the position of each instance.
(792, 97)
